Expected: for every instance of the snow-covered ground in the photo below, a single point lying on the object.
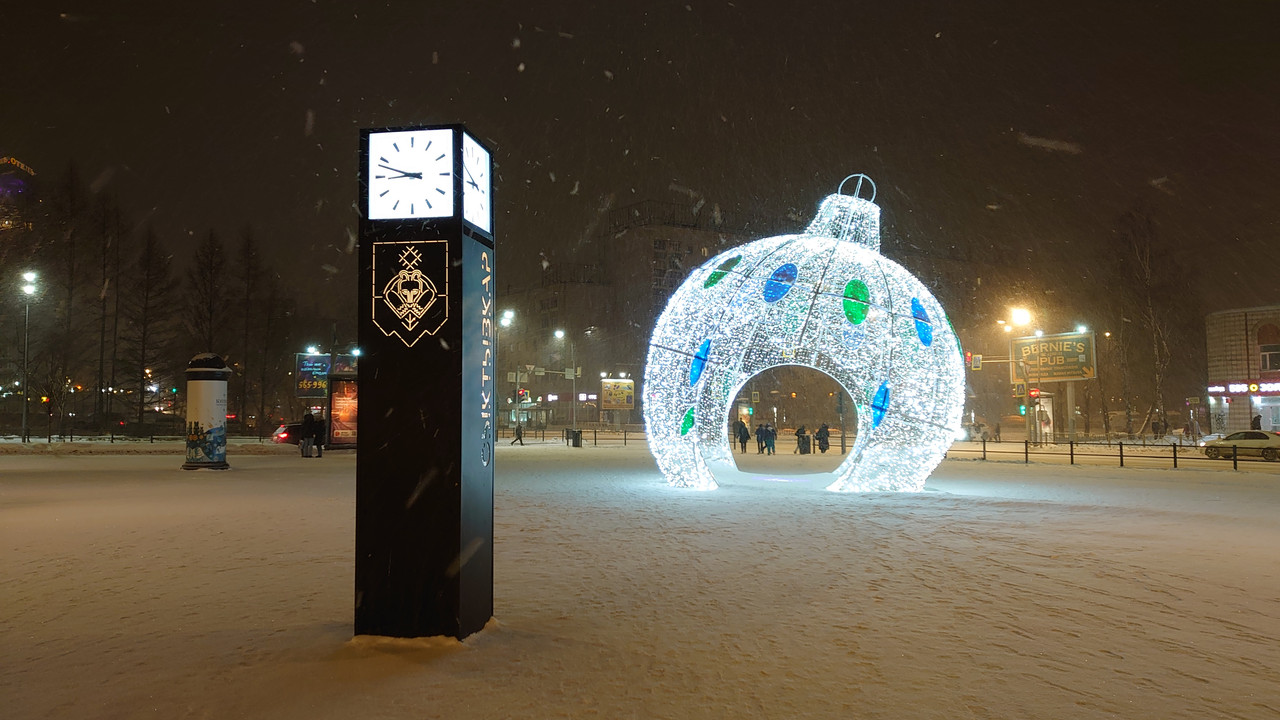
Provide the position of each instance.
(134, 589)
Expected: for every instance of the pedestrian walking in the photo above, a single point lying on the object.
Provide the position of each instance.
(307, 435)
(996, 434)
(519, 438)
(801, 442)
(771, 436)
(823, 437)
(743, 436)
(318, 435)
(759, 439)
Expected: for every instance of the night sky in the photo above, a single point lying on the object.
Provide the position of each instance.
(998, 125)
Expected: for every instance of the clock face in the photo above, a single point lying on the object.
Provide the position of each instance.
(410, 174)
(476, 195)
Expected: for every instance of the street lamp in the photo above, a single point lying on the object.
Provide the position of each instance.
(28, 289)
(1021, 317)
(573, 367)
(508, 317)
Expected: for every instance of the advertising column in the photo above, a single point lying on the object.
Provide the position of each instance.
(207, 376)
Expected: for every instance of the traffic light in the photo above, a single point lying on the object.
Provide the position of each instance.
(968, 359)
(1034, 392)
(1022, 409)
(751, 411)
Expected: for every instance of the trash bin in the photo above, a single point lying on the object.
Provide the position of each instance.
(577, 438)
(804, 444)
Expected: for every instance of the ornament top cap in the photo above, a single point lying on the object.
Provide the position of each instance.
(849, 217)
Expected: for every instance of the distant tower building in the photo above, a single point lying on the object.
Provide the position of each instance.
(17, 194)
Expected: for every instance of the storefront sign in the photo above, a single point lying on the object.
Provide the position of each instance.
(1246, 387)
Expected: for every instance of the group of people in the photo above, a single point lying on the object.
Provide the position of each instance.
(312, 436)
(767, 436)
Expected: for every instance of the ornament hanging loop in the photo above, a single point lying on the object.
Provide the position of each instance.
(857, 189)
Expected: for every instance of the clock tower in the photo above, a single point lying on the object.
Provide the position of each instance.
(424, 465)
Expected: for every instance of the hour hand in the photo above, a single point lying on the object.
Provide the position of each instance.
(470, 180)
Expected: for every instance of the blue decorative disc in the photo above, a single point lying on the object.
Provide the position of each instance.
(699, 361)
(779, 284)
(923, 328)
(880, 405)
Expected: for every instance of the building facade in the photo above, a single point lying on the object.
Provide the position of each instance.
(1243, 369)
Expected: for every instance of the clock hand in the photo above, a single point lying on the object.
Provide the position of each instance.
(416, 175)
(470, 180)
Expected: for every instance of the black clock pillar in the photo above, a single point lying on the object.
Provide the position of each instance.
(424, 467)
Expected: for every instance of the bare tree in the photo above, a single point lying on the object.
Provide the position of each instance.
(249, 273)
(206, 309)
(1161, 300)
(147, 311)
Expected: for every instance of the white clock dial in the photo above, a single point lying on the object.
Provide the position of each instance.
(410, 174)
(476, 207)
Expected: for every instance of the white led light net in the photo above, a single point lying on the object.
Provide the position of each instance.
(824, 299)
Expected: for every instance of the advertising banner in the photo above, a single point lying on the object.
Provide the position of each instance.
(342, 412)
(311, 375)
(618, 394)
(311, 372)
(1052, 358)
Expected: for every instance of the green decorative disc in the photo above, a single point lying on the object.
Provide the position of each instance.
(855, 304)
(687, 424)
(718, 274)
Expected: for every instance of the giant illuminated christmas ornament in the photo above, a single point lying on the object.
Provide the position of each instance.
(825, 299)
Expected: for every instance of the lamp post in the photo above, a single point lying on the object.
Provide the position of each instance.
(1020, 317)
(573, 368)
(28, 289)
(508, 317)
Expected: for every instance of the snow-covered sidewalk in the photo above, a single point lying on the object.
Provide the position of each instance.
(134, 589)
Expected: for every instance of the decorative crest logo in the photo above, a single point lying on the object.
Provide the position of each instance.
(411, 288)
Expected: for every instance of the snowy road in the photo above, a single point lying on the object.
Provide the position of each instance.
(133, 589)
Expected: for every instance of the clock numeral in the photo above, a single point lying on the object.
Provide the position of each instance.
(428, 147)
(440, 190)
(428, 202)
(441, 157)
(383, 193)
(397, 147)
(393, 207)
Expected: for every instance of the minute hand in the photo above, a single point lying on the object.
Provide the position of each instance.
(416, 175)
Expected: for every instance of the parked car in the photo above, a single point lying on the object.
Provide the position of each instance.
(1245, 442)
(977, 432)
(288, 433)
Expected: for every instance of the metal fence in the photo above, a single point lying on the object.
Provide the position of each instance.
(1094, 453)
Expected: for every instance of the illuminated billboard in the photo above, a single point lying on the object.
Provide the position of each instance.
(617, 394)
(1052, 358)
